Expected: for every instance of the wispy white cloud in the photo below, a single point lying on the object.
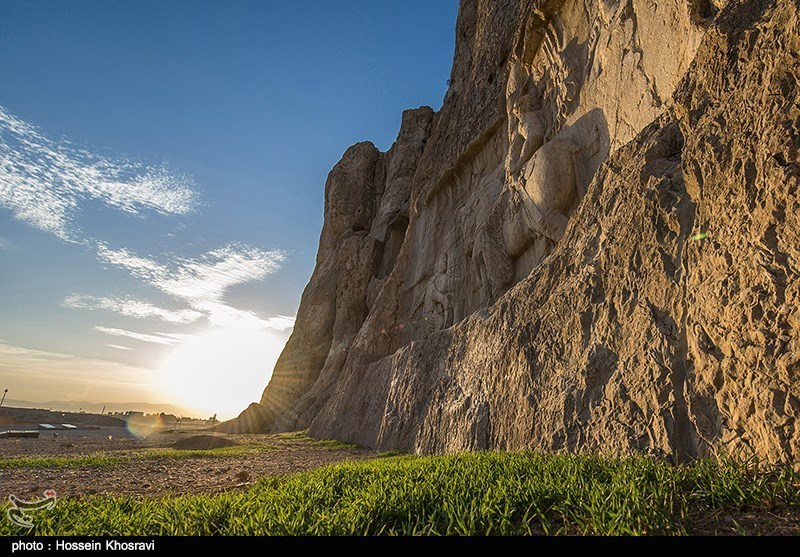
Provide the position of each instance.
(157, 338)
(7, 245)
(224, 315)
(177, 337)
(203, 282)
(279, 322)
(45, 182)
(131, 307)
(120, 347)
(140, 267)
(48, 183)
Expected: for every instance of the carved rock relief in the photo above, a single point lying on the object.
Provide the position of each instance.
(543, 181)
(555, 134)
(536, 171)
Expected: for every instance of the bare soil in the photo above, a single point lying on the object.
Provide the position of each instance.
(276, 455)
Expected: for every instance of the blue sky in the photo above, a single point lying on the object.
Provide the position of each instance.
(162, 167)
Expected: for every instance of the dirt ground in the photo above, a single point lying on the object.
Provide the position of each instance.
(281, 454)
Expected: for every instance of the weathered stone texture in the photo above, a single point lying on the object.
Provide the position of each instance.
(593, 246)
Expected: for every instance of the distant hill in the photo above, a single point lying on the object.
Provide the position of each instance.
(97, 407)
(13, 416)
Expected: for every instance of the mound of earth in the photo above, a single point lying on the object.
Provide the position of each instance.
(203, 442)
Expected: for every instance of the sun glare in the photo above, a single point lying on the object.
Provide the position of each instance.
(221, 372)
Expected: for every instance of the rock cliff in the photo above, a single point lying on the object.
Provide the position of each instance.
(592, 246)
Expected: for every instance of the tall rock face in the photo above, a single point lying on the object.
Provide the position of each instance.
(593, 246)
(366, 216)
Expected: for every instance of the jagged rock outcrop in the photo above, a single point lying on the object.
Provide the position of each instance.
(366, 215)
(592, 246)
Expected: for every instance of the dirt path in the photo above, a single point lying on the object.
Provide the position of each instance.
(276, 455)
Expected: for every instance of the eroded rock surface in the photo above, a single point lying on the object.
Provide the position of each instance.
(592, 246)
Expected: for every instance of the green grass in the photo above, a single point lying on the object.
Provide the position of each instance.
(99, 459)
(467, 494)
(327, 443)
(333, 444)
(111, 459)
(295, 435)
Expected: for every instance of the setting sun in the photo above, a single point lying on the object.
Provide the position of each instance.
(223, 371)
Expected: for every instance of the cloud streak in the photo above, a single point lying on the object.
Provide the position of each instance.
(202, 283)
(120, 347)
(131, 307)
(7, 245)
(142, 337)
(45, 183)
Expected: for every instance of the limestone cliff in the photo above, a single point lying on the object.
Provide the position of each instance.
(592, 246)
